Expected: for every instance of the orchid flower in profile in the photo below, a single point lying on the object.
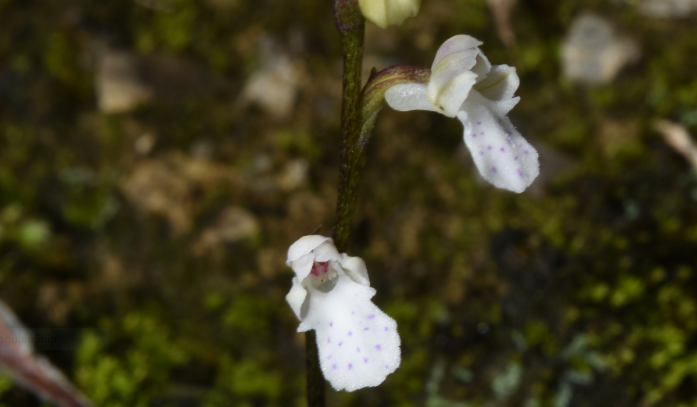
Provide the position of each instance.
(463, 84)
(358, 343)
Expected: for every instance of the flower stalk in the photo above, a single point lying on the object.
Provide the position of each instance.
(315, 378)
(351, 25)
(373, 95)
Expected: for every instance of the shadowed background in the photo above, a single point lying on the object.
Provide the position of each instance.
(158, 157)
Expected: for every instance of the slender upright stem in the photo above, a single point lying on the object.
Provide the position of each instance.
(315, 378)
(351, 25)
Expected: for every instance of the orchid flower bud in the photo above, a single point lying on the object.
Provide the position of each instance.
(385, 13)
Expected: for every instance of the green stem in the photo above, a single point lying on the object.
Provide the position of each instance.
(351, 25)
(315, 378)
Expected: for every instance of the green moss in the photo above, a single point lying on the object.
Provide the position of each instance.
(33, 233)
(245, 382)
(628, 289)
(132, 377)
(5, 385)
(60, 59)
(248, 313)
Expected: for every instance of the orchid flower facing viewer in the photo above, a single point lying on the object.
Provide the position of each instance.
(463, 84)
(358, 343)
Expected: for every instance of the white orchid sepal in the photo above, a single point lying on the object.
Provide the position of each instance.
(358, 343)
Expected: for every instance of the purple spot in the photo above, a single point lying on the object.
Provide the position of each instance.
(333, 366)
(494, 170)
(378, 347)
(365, 329)
(331, 324)
(387, 366)
(481, 152)
(350, 333)
(358, 350)
(516, 158)
(387, 329)
(481, 133)
(508, 140)
(329, 340)
(488, 148)
(526, 152)
(474, 135)
(503, 149)
(478, 123)
(353, 312)
(350, 366)
(371, 316)
(520, 172)
(508, 132)
(365, 360)
(329, 357)
(340, 343)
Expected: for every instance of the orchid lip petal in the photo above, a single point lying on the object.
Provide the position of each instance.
(502, 156)
(358, 343)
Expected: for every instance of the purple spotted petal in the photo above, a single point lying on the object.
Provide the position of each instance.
(357, 339)
(509, 161)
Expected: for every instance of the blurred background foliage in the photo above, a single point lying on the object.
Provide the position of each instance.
(157, 158)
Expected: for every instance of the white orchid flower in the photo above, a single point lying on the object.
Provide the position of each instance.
(463, 84)
(358, 343)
